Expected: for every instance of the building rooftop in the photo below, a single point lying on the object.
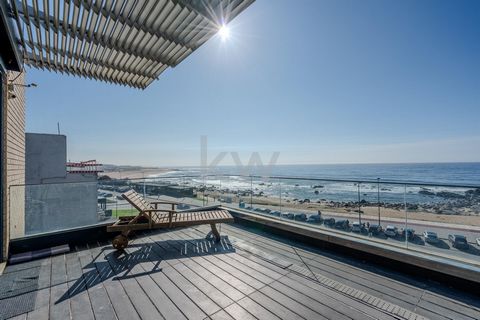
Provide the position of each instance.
(250, 274)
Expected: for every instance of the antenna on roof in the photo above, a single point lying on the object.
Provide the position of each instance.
(58, 127)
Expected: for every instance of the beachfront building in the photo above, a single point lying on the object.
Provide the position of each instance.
(55, 198)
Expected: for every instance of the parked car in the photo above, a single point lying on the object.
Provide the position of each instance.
(119, 198)
(478, 242)
(430, 237)
(409, 233)
(276, 213)
(300, 217)
(342, 224)
(375, 229)
(315, 218)
(391, 231)
(329, 222)
(288, 215)
(183, 206)
(358, 227)
(458, 241)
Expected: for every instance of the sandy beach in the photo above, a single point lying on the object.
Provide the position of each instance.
(137, 173)
(368, 211)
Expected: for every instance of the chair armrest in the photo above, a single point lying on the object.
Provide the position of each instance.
(156, 203)
(158, 210)
(163, 202)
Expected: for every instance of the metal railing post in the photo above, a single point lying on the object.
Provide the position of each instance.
(359, 206)
(378, 199)
(405, 209)
(280, 187)
(251, 191)
(144, 190)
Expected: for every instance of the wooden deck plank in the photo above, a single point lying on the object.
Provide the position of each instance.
(253, 279)
(211, 291)
(205, 274)
(124, 266)
(446, 312)
(303, 305)
(237, 283)
(254, 262)
(377, 286)
(339, 279)
(160, 299)
(371, 286)
(246, 268)
(309, 253)
(260, 265)
(275, 307)
(168, 253)
(59, 309)
(123, 306)
(221, 315)
(177, 274)
(207, 305)
(350, 307)
(101, 304)
(80, 306)
(256, 309)
(19, 317)
(238, 313)
(263, 274)
(452, 305)
(183, 303)
(42, 297)
(172, 285)
(41, 313)
(410, 306)
(211, 277)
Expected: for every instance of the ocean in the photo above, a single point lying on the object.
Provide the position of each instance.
(454, 174)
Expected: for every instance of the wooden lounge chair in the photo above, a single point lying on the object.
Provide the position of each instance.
(150, 217)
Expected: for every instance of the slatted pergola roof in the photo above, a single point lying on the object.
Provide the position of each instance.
(128, 42)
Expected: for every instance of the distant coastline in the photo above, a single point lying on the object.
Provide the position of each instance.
(135, 172)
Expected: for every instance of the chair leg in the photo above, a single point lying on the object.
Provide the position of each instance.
(215, 232)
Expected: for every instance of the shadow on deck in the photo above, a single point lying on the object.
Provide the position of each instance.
(118, 265)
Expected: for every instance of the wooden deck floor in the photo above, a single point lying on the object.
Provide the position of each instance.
(249, 275)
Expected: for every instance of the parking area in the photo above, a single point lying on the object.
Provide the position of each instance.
(416, 238)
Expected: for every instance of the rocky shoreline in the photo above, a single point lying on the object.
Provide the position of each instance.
(451, 203)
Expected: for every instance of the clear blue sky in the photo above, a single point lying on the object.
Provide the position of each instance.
(320, 81)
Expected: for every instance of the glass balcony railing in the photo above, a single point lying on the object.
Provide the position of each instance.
(440, 220)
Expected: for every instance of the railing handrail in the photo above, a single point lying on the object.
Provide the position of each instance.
(278, 177)
(351, 180)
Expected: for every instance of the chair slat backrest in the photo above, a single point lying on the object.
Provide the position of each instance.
(136, 200)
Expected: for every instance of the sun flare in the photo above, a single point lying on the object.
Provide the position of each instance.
(224, 32)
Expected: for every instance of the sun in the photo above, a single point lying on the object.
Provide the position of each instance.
(224, 32)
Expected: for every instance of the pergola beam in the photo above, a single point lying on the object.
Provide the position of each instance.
(62, 28)
(128, 42)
